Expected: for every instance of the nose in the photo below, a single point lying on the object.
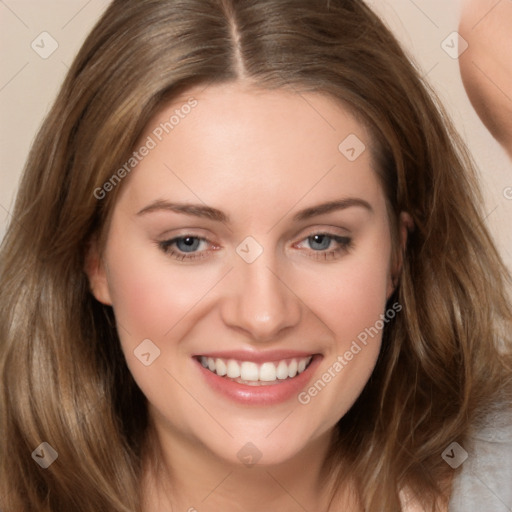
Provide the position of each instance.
(260, 303)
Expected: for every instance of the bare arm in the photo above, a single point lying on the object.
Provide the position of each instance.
(486, 66)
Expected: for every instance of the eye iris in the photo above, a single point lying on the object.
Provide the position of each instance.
(187, 244)
(322, 240)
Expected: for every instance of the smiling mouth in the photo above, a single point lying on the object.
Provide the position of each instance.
(253, 374)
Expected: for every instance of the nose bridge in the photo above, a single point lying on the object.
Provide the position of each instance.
(260, 302)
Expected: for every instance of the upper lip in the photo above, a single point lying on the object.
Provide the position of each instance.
(256, 356)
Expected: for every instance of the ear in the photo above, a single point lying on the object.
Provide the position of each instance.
(406, 224)
(96, 271)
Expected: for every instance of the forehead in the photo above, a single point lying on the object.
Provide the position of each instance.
(238, 145)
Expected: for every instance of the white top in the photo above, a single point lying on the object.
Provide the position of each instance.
(485, 481)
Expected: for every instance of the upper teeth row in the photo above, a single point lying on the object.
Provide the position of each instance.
(247, 370)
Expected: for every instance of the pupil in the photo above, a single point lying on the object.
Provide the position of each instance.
(322, 240)
(188, 244)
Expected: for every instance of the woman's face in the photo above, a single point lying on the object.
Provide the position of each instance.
(252, 236)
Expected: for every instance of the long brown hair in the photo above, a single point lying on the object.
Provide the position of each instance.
(444, 361)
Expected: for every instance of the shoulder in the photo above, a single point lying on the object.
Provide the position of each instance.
(484, 482)
(483, 479)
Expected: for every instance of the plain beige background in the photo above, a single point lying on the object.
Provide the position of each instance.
(29, 84)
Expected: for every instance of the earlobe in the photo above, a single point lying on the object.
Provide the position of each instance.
(96, 271)
(406, 226)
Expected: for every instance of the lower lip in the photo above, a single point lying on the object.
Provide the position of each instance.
(269, 394)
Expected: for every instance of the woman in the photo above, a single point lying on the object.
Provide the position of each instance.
(247, 273)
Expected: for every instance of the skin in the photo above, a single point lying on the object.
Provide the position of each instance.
(260, 157)
(486, 67)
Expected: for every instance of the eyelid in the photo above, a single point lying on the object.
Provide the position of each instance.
(169, 234)
(323, 229)
(333, 236)
(326, 229)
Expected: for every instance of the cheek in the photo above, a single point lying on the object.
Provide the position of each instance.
(353, 312)
(352, 295)
(150, 295)
(352, 304)
(153, 300)
(362, 297)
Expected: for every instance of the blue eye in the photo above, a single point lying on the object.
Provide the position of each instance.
(321, 242)
(189, 247)
(188, 243)
(186, 247)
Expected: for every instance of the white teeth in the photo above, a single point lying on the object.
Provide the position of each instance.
(233, 369)
(282, 371)
(221, 367)
(268, 371)
(252, 372)
(292, 369)
(249, 371)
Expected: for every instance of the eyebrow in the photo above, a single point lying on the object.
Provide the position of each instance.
(207, 212)
(331, 206)
(197, 210)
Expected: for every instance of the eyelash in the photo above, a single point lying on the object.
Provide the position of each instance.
(344, 245)
(166, 245)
